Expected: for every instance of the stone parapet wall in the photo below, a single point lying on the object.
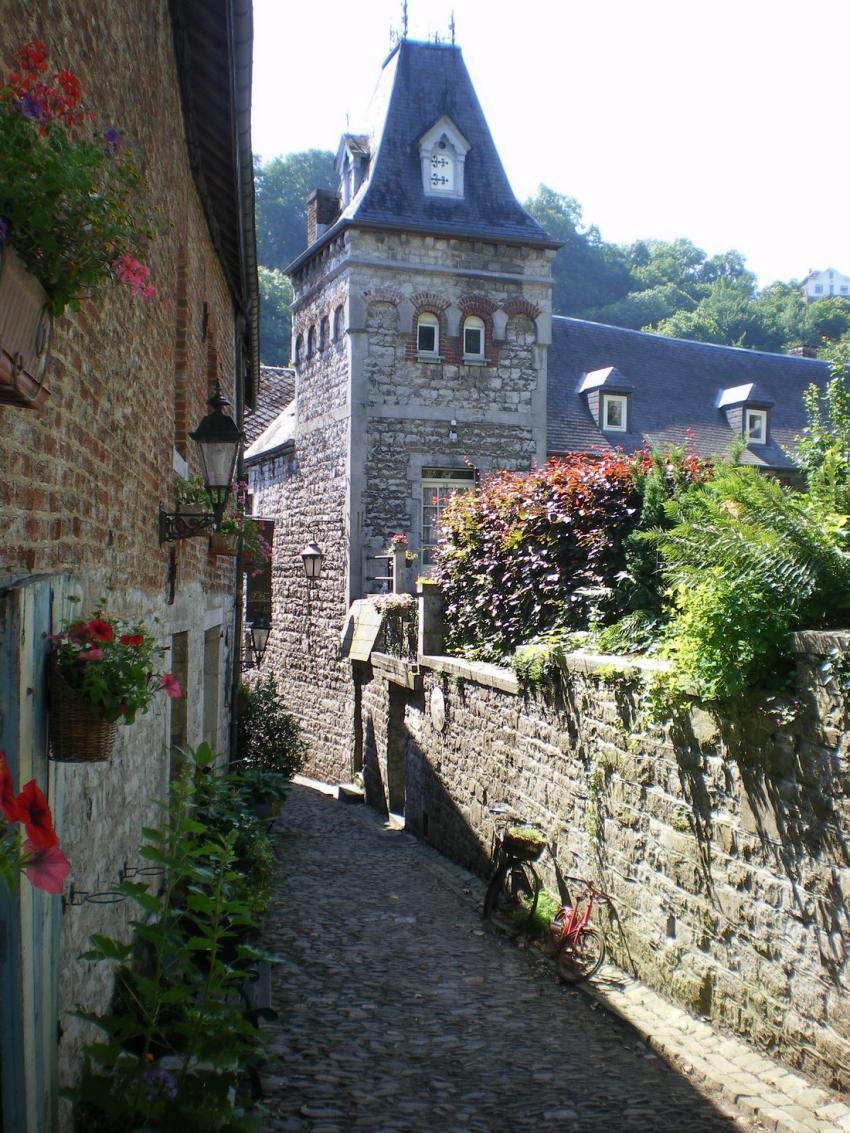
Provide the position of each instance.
(723, 840)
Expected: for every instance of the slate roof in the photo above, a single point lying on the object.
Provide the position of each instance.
(277, 389)
(677, 385)
(420, 83)
(281, 432)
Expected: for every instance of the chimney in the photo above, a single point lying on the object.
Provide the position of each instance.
(803, 350)
(322, 211)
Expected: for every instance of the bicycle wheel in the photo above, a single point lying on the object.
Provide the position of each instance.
(579, 960)
(512, 894)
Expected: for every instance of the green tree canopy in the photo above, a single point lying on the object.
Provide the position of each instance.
(282, 187)
(275, 322)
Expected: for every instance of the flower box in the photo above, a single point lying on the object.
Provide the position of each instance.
(26, 326)
(222, 544)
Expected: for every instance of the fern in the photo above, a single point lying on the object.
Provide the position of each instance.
(746, 560)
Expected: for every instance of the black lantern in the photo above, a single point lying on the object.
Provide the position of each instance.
(259, 631)
(218, 439)
(312, 557)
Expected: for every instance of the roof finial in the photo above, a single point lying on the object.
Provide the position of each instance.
(404, 19)
(452, 27)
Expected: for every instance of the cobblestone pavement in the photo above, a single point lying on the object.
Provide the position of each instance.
(399, 1012)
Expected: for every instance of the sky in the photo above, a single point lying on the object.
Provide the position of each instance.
(725, 123)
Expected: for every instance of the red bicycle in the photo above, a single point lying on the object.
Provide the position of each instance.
(577, 945)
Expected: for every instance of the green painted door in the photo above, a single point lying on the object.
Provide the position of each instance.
(29, 919)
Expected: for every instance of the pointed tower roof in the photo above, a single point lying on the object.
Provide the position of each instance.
(422, 84)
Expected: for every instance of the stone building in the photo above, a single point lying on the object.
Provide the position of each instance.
(82, 476)
(426, 354)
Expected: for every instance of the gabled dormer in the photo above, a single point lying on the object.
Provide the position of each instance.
(352, 165)
(442, 154)
(608, 394)
(747, 412)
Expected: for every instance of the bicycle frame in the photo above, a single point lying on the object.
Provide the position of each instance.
(576, 917)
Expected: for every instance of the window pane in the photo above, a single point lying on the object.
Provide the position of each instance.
(614, 413)
(427, 340)
(755, 427)
(472, 341)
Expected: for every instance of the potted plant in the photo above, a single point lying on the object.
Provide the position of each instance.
(74, 214)
(101, 671)
(237, 524)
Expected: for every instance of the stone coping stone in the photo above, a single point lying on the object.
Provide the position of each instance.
(397, 669)
(492, 676)
(820, 642)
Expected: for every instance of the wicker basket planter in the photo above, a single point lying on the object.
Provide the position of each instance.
(77, 733)
(26, 326)
(525, 847)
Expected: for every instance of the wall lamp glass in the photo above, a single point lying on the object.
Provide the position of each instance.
(312, 557)
(259, 630)
(219, 440)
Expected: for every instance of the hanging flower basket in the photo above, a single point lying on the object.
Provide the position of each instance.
(78, 734)
(222, 544)
(26, 327)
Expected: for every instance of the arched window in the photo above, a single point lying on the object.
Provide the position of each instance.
(299, 349)
(339, 324)
(311, 341)
(473, 338)
(323, 333)
(428, 334)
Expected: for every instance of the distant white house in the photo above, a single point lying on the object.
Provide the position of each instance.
(821, 284)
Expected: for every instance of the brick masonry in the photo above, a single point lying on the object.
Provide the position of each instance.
(82, 478)
(724, 841)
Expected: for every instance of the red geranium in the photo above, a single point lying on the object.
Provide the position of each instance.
(34, 812)
(132, 639)
(8, 803)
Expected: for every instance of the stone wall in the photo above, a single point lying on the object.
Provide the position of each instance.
(83, 476)
(723, 841)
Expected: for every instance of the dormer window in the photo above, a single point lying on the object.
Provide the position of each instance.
(755, 426)
(615, 412)
(428, 335)
(442, 152)
(473, 339)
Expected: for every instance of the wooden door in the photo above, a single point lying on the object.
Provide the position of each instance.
(29, 919)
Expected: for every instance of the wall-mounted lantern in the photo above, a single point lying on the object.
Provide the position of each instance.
(312, 557)
(218, 439)
(259, 631)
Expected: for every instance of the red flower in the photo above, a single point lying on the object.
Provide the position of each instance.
(170, 685)
(100, 630)
(34, 812)
(132, 639)
(8, 805)
(46, 868)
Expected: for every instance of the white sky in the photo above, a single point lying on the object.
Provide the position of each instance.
(724, 122)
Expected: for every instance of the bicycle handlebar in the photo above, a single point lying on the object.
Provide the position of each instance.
(590, 887)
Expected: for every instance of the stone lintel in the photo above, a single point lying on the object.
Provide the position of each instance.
(397, 670)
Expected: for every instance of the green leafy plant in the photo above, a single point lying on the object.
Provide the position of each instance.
(268, 736)
(192, 493)
(178, 1040)
(111, 664)
(73, 201)
(822, 450)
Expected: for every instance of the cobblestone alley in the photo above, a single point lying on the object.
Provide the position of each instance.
(398, 1011)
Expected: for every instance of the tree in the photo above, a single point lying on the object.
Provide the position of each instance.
(587, 272)
(275, 322)
(282, 187)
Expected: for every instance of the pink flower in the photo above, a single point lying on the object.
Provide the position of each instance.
(149, 291)
(46, 868)
(170, 685)
(95, 653)
(134, 273)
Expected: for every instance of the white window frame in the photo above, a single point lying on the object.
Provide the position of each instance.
(609, 400)
(445, 142)
(438, 484)
(761, 416)
(473, 322)
(427, 319)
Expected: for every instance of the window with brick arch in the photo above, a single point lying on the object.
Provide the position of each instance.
(473, 338)
(299, 349)
(323, 333)
(428, 334)
(311, 342)
(339, 324)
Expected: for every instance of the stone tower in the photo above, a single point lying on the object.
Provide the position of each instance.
(421, 320)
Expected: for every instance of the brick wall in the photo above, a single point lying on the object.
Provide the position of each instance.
(81, 478)
(724, 841)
